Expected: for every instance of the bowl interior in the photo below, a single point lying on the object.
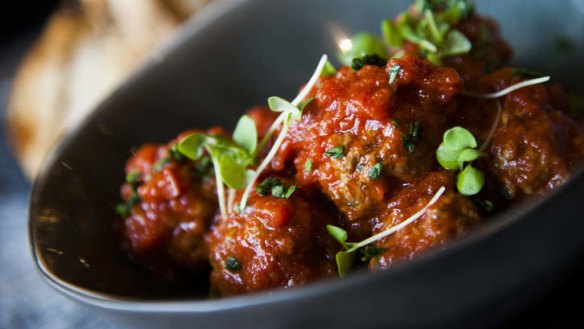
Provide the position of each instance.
(242, 53)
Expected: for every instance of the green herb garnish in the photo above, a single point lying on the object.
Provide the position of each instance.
(413, 137)
(328, 70)
(274, 186)
(345, 257)
(363, 44)
(457, 149)
(359, 62)
(375, 171)
(393, 73)
(289, 112)
(368, 252)
(525, 73)
(232, 264)
(336, 152)
(308, 165)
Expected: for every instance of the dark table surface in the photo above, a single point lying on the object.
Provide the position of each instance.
(28, 302)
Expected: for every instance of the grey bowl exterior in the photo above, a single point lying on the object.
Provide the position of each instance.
(236, 55)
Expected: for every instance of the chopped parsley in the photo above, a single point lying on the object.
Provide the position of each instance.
(413, 137)
(336, 152)
(275, 187)
(232, 264)
(375, 171)
(308, 165)
(373, 59)
(134, 180)
(393, 73)
(368, 252)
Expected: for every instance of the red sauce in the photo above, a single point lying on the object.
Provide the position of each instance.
(281, 243)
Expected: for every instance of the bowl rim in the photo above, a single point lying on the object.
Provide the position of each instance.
(198, 22)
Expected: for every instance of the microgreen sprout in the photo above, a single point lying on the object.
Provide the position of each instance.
(328, 70)
(289, 111)
(345, 257)
(457, 149)
(230, 158)
(362, 44)
(507, 90)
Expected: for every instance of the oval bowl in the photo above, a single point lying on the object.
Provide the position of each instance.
(233, 55)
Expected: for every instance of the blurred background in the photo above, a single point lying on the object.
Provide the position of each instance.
(57, 61)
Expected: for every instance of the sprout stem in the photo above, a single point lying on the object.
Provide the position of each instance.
(493, 128)
(507, 90)
(399, 226)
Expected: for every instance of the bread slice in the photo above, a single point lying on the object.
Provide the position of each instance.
(87, 49)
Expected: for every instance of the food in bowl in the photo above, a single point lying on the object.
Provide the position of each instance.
(415, 140)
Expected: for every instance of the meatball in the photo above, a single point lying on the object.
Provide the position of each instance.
(381, 133)
(535, 145)
(273, 243)
(451, 216)
(171, 205)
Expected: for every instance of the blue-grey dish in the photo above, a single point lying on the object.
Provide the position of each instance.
(233, 55)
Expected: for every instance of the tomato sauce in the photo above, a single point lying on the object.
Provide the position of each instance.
(362, 157)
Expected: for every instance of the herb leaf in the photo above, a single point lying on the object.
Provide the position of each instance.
(375, 171)
(470, 181)
(337, 233)
(192, 146)
(459, 147)
(375, 60)
(368, 252)
(362, 44)
(455, 44)
(233, 171)
(308, 165)
(413, 136)
(393, 73)
(328, 70)
(232, 264)
(458, 139)
(336, 152)
(391, 34)
(245, 134)
(344, 262)
(274, 186)
(278, 104)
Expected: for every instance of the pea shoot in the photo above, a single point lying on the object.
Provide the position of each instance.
(459, 148)
(289, 112)
(346, 257)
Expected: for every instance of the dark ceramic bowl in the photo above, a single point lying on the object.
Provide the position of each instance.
(235, 55)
